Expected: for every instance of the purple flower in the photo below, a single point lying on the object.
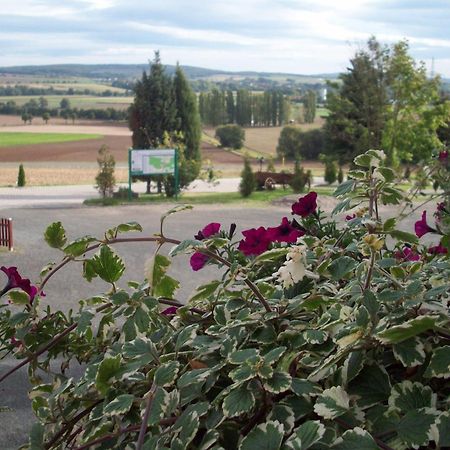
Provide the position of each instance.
(438, 250)
(16, 281)
(209, 230)
(284, 232)
(421, 227)
(407, 255)
(256, 241)
(350, 217)
(198, 260)
(443, 156)
(170, 311)
(306, 205)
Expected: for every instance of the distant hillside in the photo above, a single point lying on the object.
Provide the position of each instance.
(133, 71)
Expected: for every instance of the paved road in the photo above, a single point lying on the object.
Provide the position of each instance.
(61, 196)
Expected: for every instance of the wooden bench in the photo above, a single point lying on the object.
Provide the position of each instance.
(268, 180)
(6, 233)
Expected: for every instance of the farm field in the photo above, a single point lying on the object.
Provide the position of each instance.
(76, 101)
(14, 139)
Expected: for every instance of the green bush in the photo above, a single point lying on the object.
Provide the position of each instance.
(330, 171)
(299, 178)
(231, 136)
(316, 334)
(248, 182)
(340, 176)
(21, 177)
(105, 178)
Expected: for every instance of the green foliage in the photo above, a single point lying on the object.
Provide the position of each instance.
(309, 107)
(231, 136)
(385, 100)
(299, 179)
(21, 177)
(105, 178)
(248, 182)
(289, 142)
(330, 171)
(340, 175)
(335, 341)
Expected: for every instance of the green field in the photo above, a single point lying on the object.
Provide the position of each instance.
(76, 101)
(8, 139)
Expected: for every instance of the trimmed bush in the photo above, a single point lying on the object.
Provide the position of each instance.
(231, 136)
(248, 182)
(21, 177)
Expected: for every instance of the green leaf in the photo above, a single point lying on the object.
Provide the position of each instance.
(193, 376)
(107, 369)
(19, 297)
(301, 386)
(342, 206)
(443, 430)
(107, 265)
(139, 347)
(332, 403)
(315, 336)
(409, 329)
(408, 396)
(79, 246)
(439, 366)
(55, 235)
(278, 382)
(89, 272)
(120, 405)
(266, 436)
(239, 401)
(414, 428)
(271, 255)
(243, 356)
(167, 373)
(403, 236)
(37, 437)
(186, 336)
(341, 267)
(160, 406)
(84, 321)
(204, 291)
(162, 284)
(410, 352)
(123, 228)
(388, 173)
(352, 366)
(389, 224)
(306, 435)
(344, 188)
(355, 439)
(187, 244)
(371, 386)
(363, 160)
(274, 355)
(283, 414)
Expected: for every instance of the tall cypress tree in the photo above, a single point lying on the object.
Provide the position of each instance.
(188, 119)
(153, 111)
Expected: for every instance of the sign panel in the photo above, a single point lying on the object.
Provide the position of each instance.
(152, 162)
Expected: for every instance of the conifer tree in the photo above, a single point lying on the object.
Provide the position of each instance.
(21, 177)
(248, 182)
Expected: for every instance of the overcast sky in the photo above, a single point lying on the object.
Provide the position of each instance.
(295, 36)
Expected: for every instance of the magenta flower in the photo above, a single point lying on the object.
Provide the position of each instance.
(284, 232)
(209, 230)
(306, 205)
(350, 217)
(407, 255)
(170, 311)
(443, 156)
(256, 241)
(438, 250)
(421, 227)
(16, 281)
(198, 261)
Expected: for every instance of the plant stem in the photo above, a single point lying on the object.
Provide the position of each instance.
(143, 429)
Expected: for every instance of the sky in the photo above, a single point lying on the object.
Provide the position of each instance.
(290, 36)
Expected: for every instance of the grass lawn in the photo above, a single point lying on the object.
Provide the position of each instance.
(11, 139)
(258, 198)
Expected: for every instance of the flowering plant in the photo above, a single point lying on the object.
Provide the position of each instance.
(317, 335)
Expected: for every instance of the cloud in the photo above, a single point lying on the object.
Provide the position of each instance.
(301, 36)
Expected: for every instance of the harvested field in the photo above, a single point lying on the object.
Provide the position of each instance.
(57, 175)
(68, 151)
(9, 121)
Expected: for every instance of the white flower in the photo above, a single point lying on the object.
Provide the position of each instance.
(293, 269)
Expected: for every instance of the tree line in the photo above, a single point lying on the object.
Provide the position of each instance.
(40, 108)
(244, 108)
(385, 100)
(19, 89)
